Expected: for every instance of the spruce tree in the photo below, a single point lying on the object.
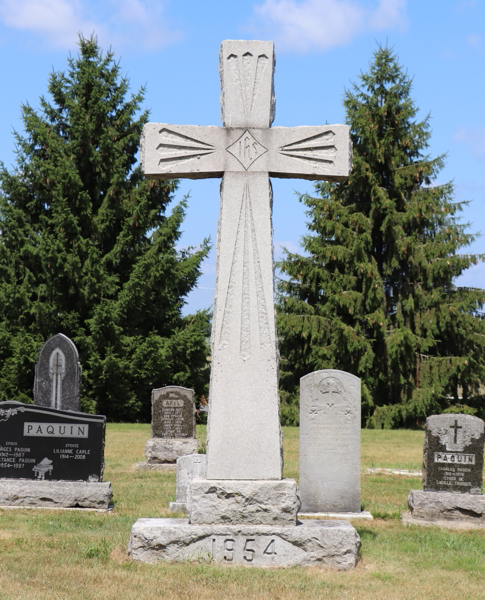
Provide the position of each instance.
(373, 294)
(88, 249)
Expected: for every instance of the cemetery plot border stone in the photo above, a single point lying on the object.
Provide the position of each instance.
(173, 428)
(51, 457)
(57, 382)
(452, 473)
(244, 447)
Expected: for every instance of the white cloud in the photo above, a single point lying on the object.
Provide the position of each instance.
(138, 23)
(475, 138)
(475, 40)
(304, 25)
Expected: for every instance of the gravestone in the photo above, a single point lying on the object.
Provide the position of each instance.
(58, 375)
(244, 512)
(52, 455)
(173, 428)
(452, 471)
(330, 418)
(188, 468)
(173, 413)
(43, 450)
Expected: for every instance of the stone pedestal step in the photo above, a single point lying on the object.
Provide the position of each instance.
(333, 544)
(243, 502)
(28, 493)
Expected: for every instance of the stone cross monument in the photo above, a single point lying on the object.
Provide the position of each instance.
(244, 430)
(244, 512)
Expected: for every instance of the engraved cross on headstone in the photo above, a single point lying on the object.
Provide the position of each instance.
(244, 431)
(456, 427)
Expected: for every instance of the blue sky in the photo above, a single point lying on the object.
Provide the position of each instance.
(321, 47)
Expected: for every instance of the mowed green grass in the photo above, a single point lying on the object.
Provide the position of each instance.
(62, 555)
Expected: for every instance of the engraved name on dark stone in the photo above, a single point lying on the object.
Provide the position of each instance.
(43, 443)
(453, 454)
(173, 412)
(58, 375)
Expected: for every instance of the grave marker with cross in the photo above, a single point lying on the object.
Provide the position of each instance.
(244, 431)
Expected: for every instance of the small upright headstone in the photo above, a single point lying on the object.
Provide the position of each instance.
(58, 375)
(330, 442)
(173, 428)
(453, 454)
(173, 413)
(452, 472)
(188, 468)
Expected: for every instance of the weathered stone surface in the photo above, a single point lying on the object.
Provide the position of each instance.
(447, 506)
(244, 434)
(188, 468)
(173, 412)
(315, 152)
(244, 502)
(333, 544)
(330, 417)
(247, 83)
(57, 380)
(453, 453)
(167, 450)
(55, 494)
(37, 442)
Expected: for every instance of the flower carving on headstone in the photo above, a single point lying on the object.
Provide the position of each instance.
(6, 413)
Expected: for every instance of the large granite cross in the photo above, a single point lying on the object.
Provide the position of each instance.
(244, 430)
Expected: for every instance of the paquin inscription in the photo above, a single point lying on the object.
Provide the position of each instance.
(56, 430)
(454, 457)
(48, 444)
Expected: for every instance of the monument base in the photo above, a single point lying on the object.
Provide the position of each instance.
(167, 450)
(178, 507)
(434, 507)
(248, 502)
(333, 544)
(363, 514)
(29, 493)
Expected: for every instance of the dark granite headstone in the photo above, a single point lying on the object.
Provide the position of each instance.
(58, 375)
(48, 444)
(453, 454)
(173, 412)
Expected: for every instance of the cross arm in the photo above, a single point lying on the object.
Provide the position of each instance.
(316, 153)
(182, 151)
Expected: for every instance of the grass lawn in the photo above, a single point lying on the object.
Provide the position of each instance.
(54, 555)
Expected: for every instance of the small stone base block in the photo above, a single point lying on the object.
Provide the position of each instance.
(178, 507)
(333, 544)
(162, 467)
(167, 450)
(447, 506)
(29, 493)
(248, 502)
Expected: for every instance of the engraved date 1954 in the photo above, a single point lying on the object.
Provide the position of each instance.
(243, 549)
